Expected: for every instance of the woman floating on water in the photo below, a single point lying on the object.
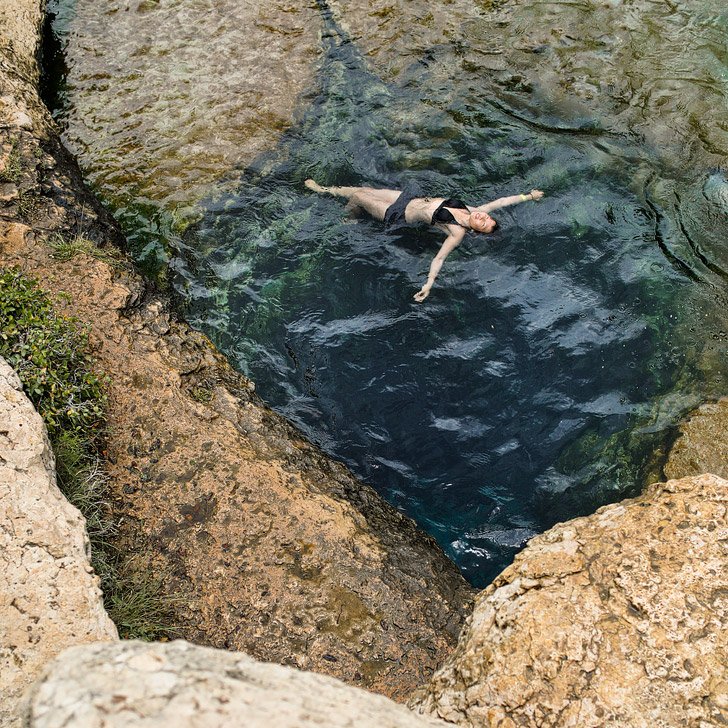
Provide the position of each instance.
(450, 215)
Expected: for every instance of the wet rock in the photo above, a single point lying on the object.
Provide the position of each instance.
(702, 443)
(715, 190)
(179, 684)
(49, 596)
(589, 66)
(619, 618)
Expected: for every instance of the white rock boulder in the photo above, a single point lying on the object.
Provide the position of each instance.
(49, 595)
(180, 685)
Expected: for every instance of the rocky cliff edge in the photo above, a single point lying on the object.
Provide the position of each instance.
(49, 596)
(616, 619)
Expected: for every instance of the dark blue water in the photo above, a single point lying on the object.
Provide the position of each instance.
(523, 391)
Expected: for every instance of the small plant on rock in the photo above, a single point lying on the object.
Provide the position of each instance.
(12, 169)
(50, 354)
(64, 248)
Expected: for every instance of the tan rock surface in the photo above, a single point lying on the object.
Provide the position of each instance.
(16, 18)
(49, 596)
(271, 547)
(702, 443)
(133, 684)
(617, 619)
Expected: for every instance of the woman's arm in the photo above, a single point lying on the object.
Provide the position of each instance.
(451, 242)
(512, 200)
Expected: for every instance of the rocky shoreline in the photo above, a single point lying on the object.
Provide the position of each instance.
(266, 544)
(272, 549)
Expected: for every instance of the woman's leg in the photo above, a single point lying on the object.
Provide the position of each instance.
(339, 191)
(368, 199)
(373, 201)
(348, 192)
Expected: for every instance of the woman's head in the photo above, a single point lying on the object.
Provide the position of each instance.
(482, 222)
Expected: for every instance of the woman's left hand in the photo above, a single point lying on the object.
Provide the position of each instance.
(536, 194)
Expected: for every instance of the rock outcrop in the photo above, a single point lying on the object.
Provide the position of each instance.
(269, 546)
(616, 619)
(181, 685)
(49, 596)
(702, 443)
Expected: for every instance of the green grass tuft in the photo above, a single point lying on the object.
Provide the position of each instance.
(50, 354)
(13, 169)
(64, 248)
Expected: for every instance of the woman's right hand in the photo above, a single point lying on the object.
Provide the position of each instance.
(536, 194)
(422, 294)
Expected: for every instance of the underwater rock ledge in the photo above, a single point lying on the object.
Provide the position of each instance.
(266, 544)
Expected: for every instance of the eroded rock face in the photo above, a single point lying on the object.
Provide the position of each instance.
(49, 595)
(269, 546)
(178, 684)
(617, 619)
(21, 22)
(702, 445)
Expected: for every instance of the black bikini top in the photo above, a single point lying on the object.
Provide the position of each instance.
(444, 215)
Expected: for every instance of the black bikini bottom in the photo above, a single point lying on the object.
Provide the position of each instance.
(394, 214)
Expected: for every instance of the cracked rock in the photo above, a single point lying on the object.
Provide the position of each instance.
(49, 596)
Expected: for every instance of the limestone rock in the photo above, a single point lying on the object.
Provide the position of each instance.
(21, 21)
(702, 445)
(617, 619)
(181, 685)
(49, 596)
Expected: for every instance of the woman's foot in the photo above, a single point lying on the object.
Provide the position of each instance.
(315, 186)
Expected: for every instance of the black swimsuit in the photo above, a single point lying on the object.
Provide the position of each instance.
(443, 215)
(394, 214)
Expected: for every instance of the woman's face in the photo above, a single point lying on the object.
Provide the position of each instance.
(482, 222)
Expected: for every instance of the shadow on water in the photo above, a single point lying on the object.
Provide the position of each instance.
(523, 392)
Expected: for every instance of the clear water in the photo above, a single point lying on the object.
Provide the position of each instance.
(552, 357)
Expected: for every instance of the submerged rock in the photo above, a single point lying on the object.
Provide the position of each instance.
(619, 618)
(49, 596)
(181, 685)
(715, 190)
(177, 95)
(637, 68)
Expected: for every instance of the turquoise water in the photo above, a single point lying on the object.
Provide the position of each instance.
(551, 359)
(511, 398)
